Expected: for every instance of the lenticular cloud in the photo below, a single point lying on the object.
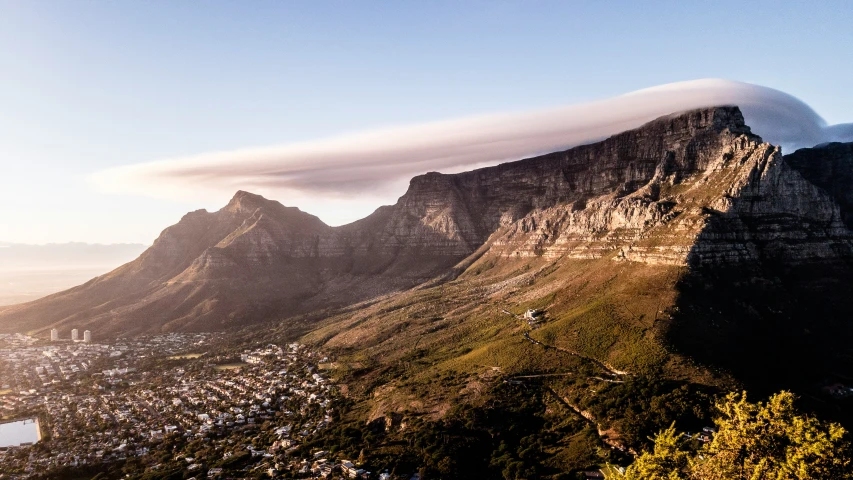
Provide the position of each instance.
(343, 178)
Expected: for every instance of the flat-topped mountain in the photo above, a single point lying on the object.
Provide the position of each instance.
(687, 189)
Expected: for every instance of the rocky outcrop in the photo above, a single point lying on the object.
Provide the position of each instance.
(771, 212)
(691, 188)
(720, 196)
(830, 168)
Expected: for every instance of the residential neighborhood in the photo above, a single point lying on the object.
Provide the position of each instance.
(29, 366)
(252, 409)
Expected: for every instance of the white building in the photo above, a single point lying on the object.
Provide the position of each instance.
(75, 334)
(54, 334)
(87, 336)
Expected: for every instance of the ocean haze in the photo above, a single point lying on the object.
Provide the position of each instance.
(28, 272)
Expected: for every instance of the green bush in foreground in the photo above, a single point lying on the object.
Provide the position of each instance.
(755, 441)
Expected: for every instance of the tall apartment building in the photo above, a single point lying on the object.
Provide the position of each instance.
(75, 334)
(54, 334)
(87, 336)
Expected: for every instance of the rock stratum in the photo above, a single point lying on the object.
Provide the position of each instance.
(689, 190)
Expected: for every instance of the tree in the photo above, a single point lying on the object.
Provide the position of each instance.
(772, 440)
(753, 441)
(667, 461)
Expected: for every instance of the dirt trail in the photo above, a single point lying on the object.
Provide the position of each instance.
(605, 435)
(607, 368)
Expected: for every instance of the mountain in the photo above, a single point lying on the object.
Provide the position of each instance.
(687, 248)
(251, 260)
(684, 191)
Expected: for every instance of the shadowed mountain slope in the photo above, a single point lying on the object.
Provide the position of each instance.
(768, 297)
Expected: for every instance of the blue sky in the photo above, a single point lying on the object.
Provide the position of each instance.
(90, 85)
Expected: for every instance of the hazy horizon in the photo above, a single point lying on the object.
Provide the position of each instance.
(29, 272)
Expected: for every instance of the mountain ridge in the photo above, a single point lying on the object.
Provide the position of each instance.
(645, 195)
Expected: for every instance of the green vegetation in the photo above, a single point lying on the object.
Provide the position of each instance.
(514, 434)
(450, 361)
(507, 428)
(769, 440)
(642, 405)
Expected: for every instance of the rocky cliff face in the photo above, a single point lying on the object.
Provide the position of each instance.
(830, 168)
(708, 191)
(692, 188)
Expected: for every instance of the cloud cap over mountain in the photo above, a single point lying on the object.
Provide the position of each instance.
(343, 178)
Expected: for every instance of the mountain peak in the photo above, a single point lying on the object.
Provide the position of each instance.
(248, 202)
(720, 118)
(730, 117)
(242, 194)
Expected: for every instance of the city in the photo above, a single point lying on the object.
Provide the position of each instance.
(206, 413)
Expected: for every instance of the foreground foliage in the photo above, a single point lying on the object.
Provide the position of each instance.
(754, 441)
(521, 429)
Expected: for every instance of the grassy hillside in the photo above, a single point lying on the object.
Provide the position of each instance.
(609, 311)
(446, 354)
(622, 350)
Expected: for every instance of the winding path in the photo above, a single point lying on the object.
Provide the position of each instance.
(607, 368)
(589, 418)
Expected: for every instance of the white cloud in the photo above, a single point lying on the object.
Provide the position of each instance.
(343, 178)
